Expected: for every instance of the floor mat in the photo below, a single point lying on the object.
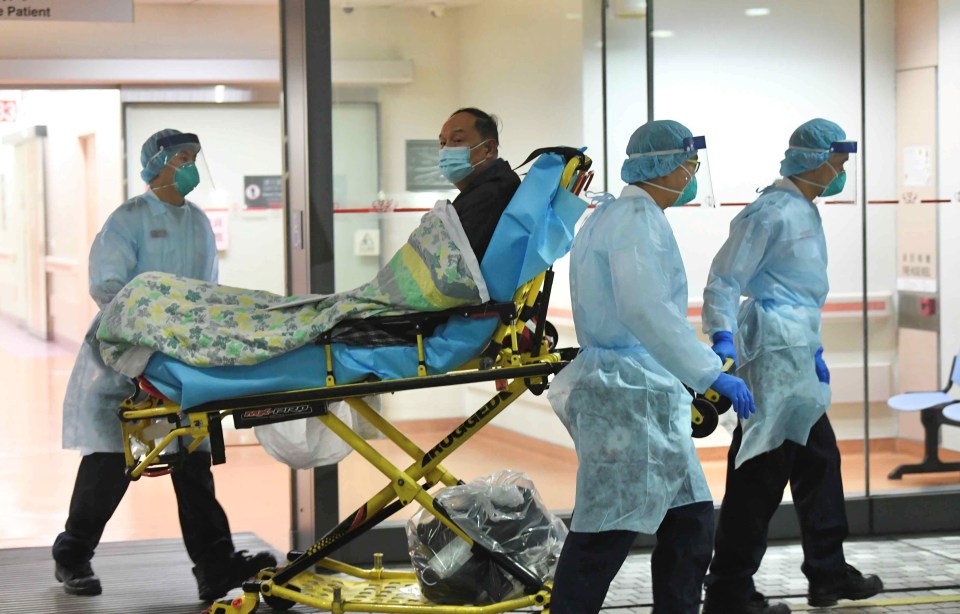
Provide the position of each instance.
(139, 577)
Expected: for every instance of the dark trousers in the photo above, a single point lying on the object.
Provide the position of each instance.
(589, 562)
(753, 493)
(99, 488)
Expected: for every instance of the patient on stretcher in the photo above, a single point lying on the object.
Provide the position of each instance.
(206, 324)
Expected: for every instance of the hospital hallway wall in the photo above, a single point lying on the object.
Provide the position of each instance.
(36, 476)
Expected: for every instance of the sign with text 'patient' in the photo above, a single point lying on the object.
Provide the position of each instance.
(66, 10)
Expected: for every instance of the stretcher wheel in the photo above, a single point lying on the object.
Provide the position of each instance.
(704, 417)
(722, 405)
(279, 603)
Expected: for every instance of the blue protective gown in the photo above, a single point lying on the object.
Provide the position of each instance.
(143, 234)
(776, 256)
(621, 398)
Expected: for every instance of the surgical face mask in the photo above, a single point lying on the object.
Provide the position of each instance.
(687, 194)
(455, 162)
(186, 178)
(834, 187)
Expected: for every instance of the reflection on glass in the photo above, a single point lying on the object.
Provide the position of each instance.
(911, 210)
(745, 79)
(747, 104)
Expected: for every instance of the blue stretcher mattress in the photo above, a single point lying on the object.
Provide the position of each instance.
(535, 230)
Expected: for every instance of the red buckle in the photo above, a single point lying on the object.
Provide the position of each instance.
(150, 389)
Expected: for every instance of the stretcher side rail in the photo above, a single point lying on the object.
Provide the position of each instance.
(414, 328)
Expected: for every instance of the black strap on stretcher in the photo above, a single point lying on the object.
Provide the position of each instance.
(568, 153)
(406, 327)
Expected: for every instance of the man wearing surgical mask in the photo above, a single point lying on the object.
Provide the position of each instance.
(623, 398)
(157, 231)
(469, 159)
(776, 257)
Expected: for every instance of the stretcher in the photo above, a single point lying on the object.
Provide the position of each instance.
(519, 356)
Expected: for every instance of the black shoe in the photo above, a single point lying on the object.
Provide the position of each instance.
(755, 604)
(246, 566)
(848, 583)
(214, 580)
(79, 580)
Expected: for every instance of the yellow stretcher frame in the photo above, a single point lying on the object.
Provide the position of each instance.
(379, 590)
(522, 370)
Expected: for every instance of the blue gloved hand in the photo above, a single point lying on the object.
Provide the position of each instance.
(736, 390)
(823, 373)
(723, 346)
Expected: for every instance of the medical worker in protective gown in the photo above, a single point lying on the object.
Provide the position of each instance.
(776, 256)
(157, 231)
(623, 398)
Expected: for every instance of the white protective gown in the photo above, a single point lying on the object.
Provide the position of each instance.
(143, 234)
(622, 398)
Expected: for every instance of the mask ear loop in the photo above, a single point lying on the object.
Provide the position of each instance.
(672, 191)
(175, 169)
(485, 160)
(836, 174)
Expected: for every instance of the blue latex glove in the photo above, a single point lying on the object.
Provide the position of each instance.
(736, 390)
(723, 346)
(823, 373)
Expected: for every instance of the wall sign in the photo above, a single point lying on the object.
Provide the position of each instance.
(8, 111)
(219, 222)
(66, 10)
(263, 191)
(917, 166)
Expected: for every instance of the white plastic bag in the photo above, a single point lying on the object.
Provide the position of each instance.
(306, 443)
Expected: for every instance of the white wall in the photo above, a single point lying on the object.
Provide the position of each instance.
(748, 103)
(528, 71)
(91, 112)
(409, 111)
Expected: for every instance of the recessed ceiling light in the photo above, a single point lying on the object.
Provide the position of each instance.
(661, 34)
(757, 12)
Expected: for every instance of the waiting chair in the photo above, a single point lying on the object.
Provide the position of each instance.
(936, 409)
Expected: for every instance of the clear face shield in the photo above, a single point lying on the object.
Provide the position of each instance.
(182, 153)
(700, 164)
(839, 185)
(698, 191)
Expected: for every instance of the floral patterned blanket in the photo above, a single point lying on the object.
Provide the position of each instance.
(206, 324)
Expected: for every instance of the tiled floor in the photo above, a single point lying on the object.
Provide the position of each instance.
(924, 571)
(921, 574)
